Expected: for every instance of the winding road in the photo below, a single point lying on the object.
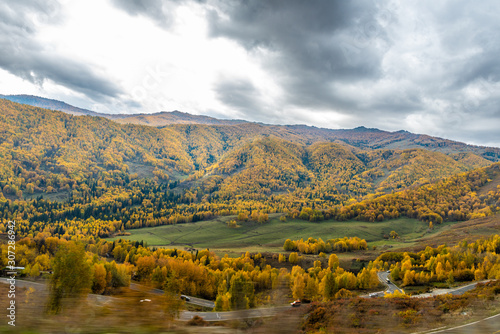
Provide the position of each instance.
(385, 278)
(487, 325)
(184, 315)
(192, 300)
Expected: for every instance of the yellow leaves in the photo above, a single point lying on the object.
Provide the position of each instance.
(298, 287)
(406, 264)
(333, 262)
(409, 278)
(316, 246)
(396, 294)
(281, 258)
(293, 258)
(232, 224)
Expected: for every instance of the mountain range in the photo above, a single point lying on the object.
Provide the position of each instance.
(361, 137)
(181, 172)
(156, 119)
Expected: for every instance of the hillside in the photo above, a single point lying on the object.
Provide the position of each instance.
(325, 173)
(365, 138)
(42, 102)
(156, 119)
(361, 137)
(174, 117)
(249, 160)
(106, 176)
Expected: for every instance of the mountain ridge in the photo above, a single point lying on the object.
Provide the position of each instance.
(158, 119)
(196, 170)
(42, 102)
(360, 137)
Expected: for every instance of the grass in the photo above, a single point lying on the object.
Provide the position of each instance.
(270, 236)
(471, 230)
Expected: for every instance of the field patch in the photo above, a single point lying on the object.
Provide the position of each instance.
(270, 236)
(470, 230)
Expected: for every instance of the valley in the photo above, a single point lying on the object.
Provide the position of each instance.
(206, 209)
(249, 167)
(270, 236)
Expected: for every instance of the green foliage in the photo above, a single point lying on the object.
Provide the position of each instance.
(242, 292)
(107, 177)
(72, 276)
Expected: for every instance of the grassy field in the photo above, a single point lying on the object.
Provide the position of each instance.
(270, 236)
(470, 230)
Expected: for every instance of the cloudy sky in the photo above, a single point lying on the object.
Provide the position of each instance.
(424, 66)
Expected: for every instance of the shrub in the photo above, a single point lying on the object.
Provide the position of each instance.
(197, 321)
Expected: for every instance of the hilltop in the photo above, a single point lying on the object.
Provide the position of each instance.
(195, 171)
(156, 119)
(361, 137)
(82, 183)
(42, 102)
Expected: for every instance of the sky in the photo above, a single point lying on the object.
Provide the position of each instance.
(429, 67)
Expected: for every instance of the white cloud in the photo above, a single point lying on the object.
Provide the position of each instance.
(419, 66)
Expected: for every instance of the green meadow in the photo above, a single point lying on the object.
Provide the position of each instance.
(270, 236)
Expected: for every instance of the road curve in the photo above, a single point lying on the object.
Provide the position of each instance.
(192, 300)
(235, 315)
(384, 277)
(184, 315)
(455, 291)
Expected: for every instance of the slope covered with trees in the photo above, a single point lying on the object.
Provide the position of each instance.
(114, 177)
(360, 137)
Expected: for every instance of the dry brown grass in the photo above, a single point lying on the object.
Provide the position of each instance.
(470, 230)
(95, 314)
(127, 314)
(408, 315)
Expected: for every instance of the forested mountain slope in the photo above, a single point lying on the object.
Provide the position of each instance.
(43, 148)
(109, 176)
(361, 137)
(42, 102)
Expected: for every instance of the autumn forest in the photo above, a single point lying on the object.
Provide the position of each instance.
(75, 184)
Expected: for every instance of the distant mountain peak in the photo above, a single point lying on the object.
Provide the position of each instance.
(46, 103)
(360, 137)
(365, 129)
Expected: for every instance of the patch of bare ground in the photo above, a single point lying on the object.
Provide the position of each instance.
(470, 230)
(490, 186)
(402, 315)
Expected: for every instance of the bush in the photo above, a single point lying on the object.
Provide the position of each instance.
(197, 321)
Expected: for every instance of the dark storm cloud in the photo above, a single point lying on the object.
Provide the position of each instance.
(22, 55)
(162, 12)
(313, 44)
(316, 43)
(320, 48)
(240, 94)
